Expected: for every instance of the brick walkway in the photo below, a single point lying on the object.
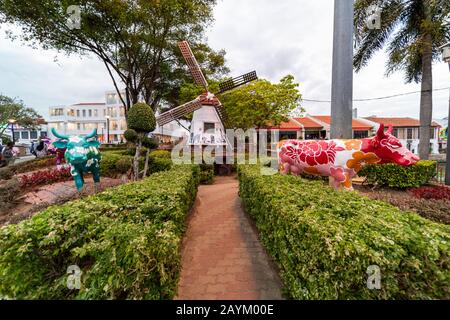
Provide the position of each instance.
(222, 257)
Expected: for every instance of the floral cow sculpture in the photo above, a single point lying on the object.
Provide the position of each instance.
(341, 159)
(82, 154)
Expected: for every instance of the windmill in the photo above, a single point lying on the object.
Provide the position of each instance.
(209, 119)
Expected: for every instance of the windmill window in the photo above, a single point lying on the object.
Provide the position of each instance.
(208, 126)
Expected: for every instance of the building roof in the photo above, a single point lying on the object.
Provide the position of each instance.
(90, 104)
(400, 121)
(356, 123)
(289, 125)
(307, 122)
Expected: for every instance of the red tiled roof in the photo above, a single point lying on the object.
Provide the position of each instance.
(356, 124)
(290, 125)
(308, 122)
(400, 121)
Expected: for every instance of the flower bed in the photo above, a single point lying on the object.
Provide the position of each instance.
(42, 177)
(324, 241)
(432, 192)
(125, 240)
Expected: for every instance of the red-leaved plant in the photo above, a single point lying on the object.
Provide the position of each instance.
(45, 177)
(434, 192)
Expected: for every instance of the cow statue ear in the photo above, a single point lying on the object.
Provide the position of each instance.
(94, 143)
(60, 144)
(380, 132)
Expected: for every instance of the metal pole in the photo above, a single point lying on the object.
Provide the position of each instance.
(107, 130)
(447, 161)
(342, 77)
(12, 132)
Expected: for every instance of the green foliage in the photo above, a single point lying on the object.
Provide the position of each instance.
(32, 165)
(15, 109)
(395, 176)
(261, 103)
(130, 135)
(160, 154)
(206, 173)
(124, 165)
(404, 26)
(323, 240)
(141, 118)
(150, 143)
(160, 164)
(126, 240)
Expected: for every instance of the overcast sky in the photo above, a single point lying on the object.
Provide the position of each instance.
(275, 38)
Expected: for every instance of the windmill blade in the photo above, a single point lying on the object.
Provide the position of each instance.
(192, 63)
(238, 81)
(178, 112)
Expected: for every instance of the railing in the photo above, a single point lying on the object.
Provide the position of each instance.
(440, 172)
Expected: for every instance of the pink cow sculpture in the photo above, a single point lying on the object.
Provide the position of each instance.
(341, 160)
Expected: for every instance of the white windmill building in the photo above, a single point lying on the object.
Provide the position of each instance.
(209, 118)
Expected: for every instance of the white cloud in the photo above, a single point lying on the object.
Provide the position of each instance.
(273, 37)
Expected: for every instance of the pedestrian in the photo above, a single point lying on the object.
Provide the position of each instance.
(8, 153)
(41, 149)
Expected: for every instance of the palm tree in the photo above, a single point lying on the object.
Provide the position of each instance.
(412, 31)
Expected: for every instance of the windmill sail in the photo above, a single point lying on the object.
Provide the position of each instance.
(238, 81)
(192, 63)
(178, 112)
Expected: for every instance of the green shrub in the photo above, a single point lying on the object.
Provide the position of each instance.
(159, 164)
(161, 154)
(33, 165)
(396, 176)
(123, 165)
(6, 173)
(126, 240)
(324, 240)
(141, 118)
(130, 135)
(206, 173)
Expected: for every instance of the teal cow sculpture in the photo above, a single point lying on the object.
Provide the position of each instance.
(82, 154)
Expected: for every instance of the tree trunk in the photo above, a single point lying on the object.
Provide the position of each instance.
(136, 160)
(426, 99)
(147, 156)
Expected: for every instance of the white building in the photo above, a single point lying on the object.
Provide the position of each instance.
(82, 118)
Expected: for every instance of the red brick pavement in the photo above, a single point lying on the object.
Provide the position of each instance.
(222, 257)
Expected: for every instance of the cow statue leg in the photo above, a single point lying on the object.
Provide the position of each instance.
(96, 176)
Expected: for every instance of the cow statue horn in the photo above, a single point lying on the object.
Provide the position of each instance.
(390, 129)
(58, 135)
(380, 132)
(91, 135)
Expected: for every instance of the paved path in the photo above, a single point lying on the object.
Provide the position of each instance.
(222, 257)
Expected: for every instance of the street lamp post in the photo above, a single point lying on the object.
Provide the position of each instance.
(342, 73)
(107, 129)
(11, 122)
(446, 57)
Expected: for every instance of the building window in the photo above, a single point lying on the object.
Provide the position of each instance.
(78, 126)
(409, 133)
(111, 98)
(311, 135)
(95, 113)
(84, 113)
(122, 111)
(78, 113)
(43, 134)
(432, 133)
(57, 112)
(395, 132)
(33, 135)
(359, 134)
(71, 113)
(25, 135)
(16, 135)
(90, 113)
(208, 126)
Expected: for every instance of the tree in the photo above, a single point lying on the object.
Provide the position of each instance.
(411, 31)
(136, 40)
(142, 120)
(15, 109)
(261, 103)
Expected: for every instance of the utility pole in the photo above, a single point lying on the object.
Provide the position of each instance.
(342, 77)
(446, 57)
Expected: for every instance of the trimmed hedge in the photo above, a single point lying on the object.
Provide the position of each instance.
(396, 176)
(126, 241)
(323, 241)
(161, 154)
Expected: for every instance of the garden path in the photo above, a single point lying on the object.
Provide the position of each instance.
(222, 257)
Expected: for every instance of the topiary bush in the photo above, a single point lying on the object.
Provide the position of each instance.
(159, 164)
(161, 154)
(396, 176)
(124, 165)
(126, 241)
(324, 240)
(130, 135)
